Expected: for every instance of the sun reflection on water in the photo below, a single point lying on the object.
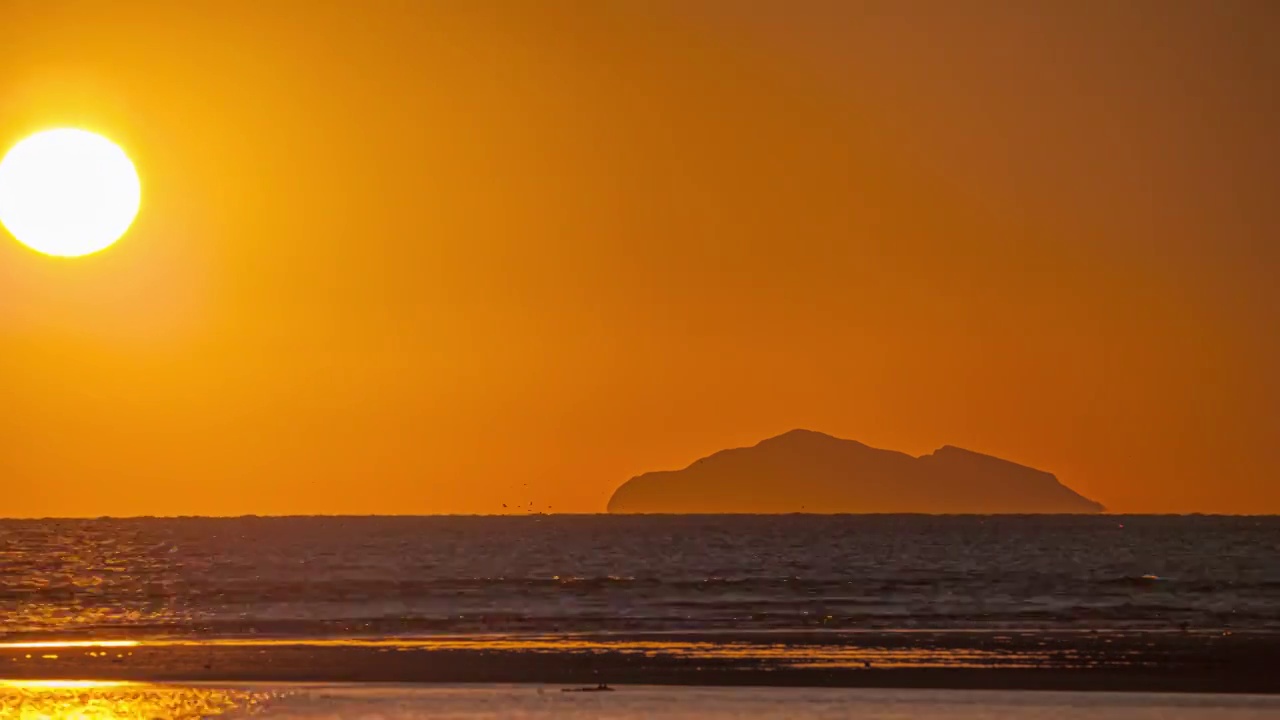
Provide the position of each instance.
(831, 655)
(113, 700)
(59, 644)
(64, 684)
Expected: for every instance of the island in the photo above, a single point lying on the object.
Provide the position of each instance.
(803, 471)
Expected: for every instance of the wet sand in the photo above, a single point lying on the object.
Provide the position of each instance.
(1139, 662)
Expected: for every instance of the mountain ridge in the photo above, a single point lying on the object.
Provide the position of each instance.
(809, 471)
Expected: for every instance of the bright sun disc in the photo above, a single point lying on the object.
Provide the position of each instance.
(68, 192)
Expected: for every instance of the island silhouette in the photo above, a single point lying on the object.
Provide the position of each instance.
(808, 471)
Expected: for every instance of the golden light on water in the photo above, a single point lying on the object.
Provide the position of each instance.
(112, 700)
(64, 684)
(70, 644)
(68, 192)
(824, 655)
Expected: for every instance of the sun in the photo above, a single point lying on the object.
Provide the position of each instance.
(68, 192)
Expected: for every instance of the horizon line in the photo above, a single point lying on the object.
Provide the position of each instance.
(247, 516)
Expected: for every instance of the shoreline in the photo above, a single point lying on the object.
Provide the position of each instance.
(1134, 662)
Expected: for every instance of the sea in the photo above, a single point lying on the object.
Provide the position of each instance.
(398, 577)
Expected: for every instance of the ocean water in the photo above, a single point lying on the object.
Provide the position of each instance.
(425, 576)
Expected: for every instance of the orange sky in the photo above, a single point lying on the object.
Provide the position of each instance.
(409, 256)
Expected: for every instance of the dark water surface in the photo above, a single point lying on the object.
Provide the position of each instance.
(406, 576)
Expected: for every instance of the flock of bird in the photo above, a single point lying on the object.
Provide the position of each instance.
(529, 508)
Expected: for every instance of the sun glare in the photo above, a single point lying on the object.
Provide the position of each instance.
(68, 192)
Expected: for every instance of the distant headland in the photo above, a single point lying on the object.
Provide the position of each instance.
(807, 471)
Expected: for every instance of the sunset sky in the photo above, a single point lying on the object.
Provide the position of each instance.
(422, 257)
